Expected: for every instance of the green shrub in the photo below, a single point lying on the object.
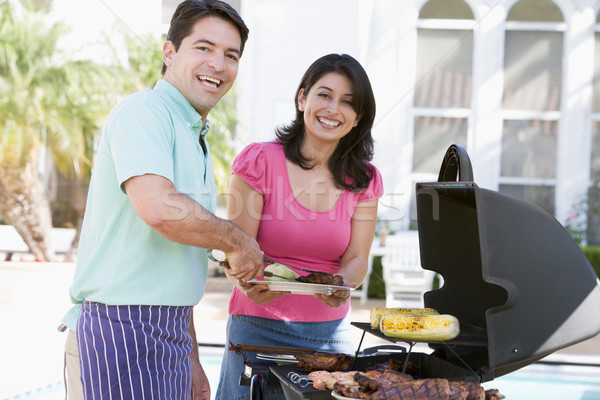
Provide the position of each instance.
(593, 255)
(376, 288)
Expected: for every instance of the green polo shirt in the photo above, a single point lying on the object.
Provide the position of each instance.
(121, 260)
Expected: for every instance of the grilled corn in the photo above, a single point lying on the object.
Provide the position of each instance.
(378, 312)
(280, 270)
(432, 328)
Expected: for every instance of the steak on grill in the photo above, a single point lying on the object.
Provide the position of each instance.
(323, 361)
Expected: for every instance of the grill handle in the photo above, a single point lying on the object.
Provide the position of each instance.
(456, 163)
(256, 387)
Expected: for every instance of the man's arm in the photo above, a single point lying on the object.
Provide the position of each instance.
(181, 219)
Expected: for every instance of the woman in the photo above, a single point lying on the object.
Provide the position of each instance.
(310, 200)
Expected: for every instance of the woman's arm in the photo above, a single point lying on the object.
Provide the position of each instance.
(245, 207)
(354, 262)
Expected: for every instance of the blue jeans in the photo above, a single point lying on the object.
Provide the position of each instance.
(333, 336)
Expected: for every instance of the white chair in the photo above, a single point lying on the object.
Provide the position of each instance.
(362, 291)
(405, 280)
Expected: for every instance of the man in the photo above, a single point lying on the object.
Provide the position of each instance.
(149, 219)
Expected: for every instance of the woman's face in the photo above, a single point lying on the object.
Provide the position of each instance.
(327, 107)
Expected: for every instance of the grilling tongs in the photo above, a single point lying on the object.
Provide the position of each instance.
(219, 257)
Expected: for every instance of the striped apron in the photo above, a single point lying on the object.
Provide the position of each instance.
(134, 352)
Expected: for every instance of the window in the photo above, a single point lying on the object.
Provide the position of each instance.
(595, 165)
(531, 101)
(443, 82)
(443, 86)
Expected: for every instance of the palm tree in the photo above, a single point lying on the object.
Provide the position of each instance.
(52, 103)
(46, 102)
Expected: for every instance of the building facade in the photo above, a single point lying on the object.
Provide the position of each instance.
(512, 81)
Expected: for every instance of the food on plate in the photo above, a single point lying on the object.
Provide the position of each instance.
(421, 327)
(322, 278)
(280, 270)
(378, 312)
(323, 361)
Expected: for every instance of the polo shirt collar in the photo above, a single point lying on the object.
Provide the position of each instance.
(178, 100)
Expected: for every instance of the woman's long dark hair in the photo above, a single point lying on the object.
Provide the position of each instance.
(348, 162)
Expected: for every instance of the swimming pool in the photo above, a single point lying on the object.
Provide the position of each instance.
(550, 382)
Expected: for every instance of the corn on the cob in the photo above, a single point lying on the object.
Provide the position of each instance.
(378, 312)
(431, 328)
(280, 270)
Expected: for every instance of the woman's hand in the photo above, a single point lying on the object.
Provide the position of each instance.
(260, 294)
(337, 298)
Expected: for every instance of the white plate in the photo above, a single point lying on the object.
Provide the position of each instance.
(278, 358)
(299, 287)
(339, 396)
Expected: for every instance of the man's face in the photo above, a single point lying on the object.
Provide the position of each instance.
(206, 64)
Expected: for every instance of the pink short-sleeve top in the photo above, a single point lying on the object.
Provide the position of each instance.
(293, 234)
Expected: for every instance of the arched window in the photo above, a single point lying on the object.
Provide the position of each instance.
(595, 164)
(442, 89)
(531, 101)
(442, 95)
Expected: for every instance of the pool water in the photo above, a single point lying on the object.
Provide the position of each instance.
(550, 382)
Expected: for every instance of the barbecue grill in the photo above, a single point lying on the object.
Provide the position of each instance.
(519, 285)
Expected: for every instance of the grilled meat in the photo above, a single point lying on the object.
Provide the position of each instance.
(322, 278)
(422, 389)
(322, 380)
(466, 391)
(393, 385)
(396, 365)
(351, 392)
(493, 394)
(323, 361)
(375, 380)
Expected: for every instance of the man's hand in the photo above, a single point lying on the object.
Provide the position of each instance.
(246, 262)
(200, 384)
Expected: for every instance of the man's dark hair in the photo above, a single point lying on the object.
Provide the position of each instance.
(347, 163)
(189, 12)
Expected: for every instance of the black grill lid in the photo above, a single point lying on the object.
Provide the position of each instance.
(509, 268)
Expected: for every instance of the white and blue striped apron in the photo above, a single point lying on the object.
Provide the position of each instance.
(135, 352)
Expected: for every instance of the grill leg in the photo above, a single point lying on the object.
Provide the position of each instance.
(256, 387)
